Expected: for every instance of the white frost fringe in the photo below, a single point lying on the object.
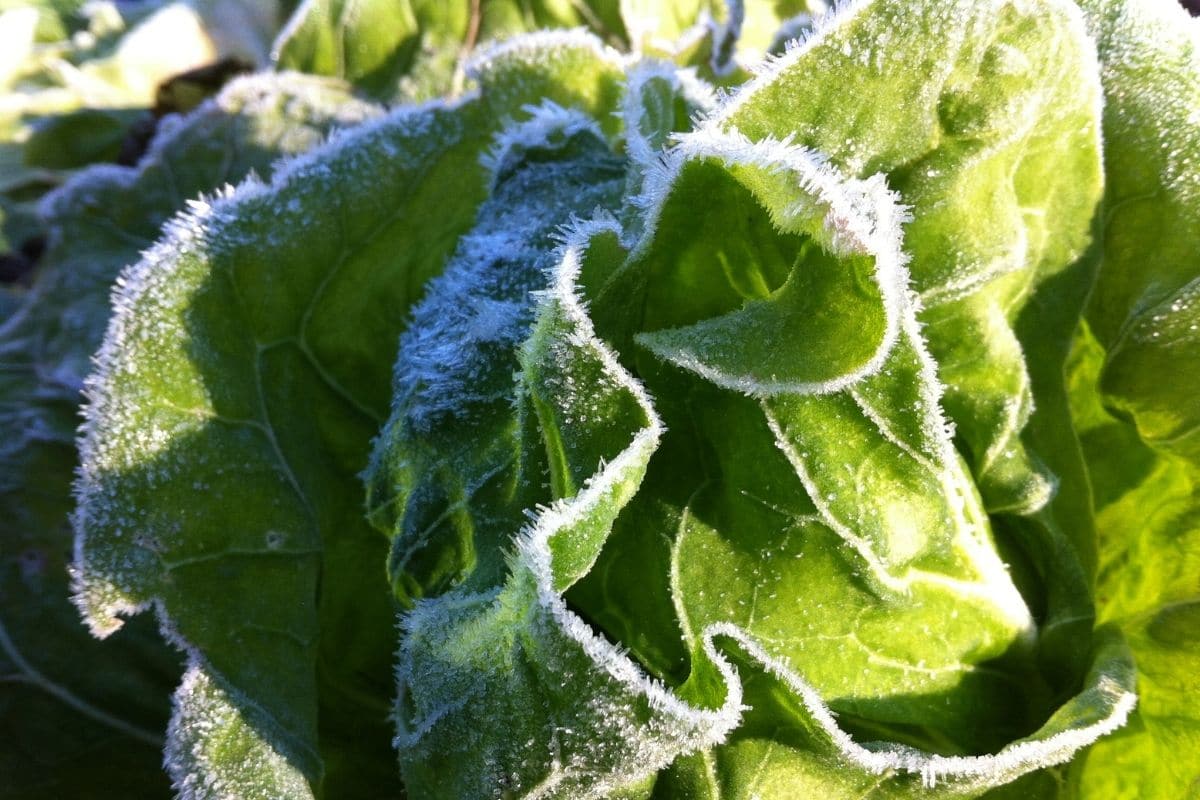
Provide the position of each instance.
(683, 81)
(546, 120)
(529, 47)
(860, 217)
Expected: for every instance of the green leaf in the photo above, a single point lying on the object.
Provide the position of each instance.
(269, 411)
(660, 100)
(101, 220)
(572, 69)
(1154, 756)
(79, 138)
(1001, 134)
(579, 719)
(793, 297)
(570, 427)
(371, 44)
(427, 481)
(765, 759)
(841, 497)
(860, 444)
(452, 497)
(418, 49)
(1006, 138)
(1148, 519)
(1146, 312)
(82, 718)
(75, 76)
(791, 469)
(113, 697)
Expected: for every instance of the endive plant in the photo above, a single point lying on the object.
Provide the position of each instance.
(671, 412)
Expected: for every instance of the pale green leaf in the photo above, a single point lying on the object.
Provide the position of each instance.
(792, 296)
(998, 135)
(1131, 370)
(860, 453)
(842, 498)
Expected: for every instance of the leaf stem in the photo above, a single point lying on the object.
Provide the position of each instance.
(29, 674)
